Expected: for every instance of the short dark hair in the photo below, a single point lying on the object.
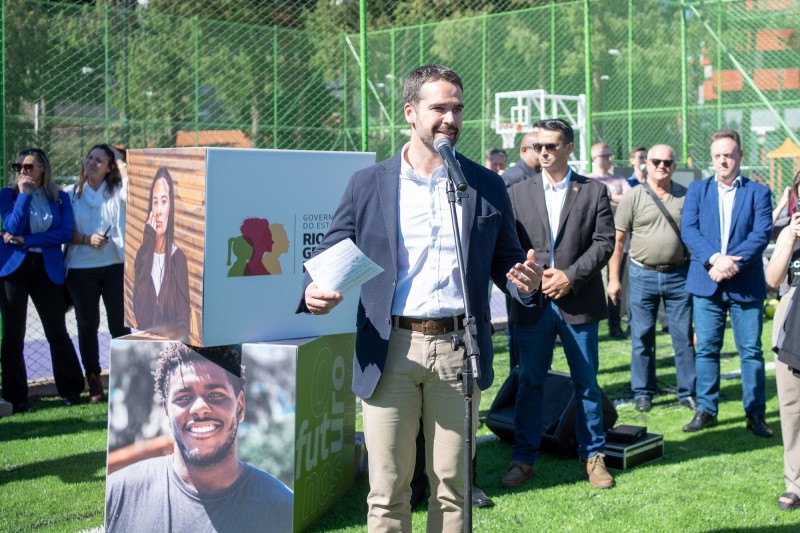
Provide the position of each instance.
(424, 74)
(636, 149)
(496, 151)
(556, 124)
(538, 124)
(176, 354)
(727, 134)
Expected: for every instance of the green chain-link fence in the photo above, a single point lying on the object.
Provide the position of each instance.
(288, 73)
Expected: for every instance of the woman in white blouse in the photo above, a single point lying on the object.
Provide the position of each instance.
(95, 257)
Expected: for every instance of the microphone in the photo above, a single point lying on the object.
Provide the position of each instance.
(643, 168)
(445, 149)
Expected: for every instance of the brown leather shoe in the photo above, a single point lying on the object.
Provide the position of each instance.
(596, 470)
(516, 475)
(95, 388)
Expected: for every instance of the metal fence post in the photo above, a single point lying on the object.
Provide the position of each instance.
(345, 99)
(275, 87)
(196, 80)
(362, 22)
(3, 84)
(588, 82)
(107, 91)
(684, 93)
(483, 82)
(552, 47)
(630, 74)
(393, 84)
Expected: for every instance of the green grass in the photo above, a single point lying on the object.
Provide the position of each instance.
(722, 479)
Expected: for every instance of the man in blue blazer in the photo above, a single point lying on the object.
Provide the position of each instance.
(397, 213)
(726, 224)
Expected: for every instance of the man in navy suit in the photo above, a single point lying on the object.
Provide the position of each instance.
(726, 226)
(404, 369)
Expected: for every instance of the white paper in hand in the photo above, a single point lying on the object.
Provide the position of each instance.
(341, 267)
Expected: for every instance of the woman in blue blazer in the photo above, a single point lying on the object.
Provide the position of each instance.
(37, 221)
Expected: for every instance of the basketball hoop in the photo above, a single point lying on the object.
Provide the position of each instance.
(508, 139)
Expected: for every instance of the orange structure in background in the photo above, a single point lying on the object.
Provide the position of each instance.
(226, 138)
(788, 150)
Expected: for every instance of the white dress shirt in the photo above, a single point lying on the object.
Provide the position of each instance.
(554, 196)
(428, 281)
(727, 197)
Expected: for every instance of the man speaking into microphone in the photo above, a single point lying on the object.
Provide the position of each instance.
(397, 213)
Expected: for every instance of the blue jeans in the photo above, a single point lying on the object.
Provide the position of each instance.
(646, 288)
(534, 344)
(709, 323)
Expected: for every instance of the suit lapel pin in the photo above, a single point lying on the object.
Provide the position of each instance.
(575, 188)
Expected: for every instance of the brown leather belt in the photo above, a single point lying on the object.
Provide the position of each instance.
(430, 326)
(659, 268)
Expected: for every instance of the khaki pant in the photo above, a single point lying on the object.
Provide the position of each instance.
(420, 379)
(789, 400)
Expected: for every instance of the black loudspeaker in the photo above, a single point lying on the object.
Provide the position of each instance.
(558, 417)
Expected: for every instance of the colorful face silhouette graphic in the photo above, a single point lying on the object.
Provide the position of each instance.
(258, 249)
(280, 245)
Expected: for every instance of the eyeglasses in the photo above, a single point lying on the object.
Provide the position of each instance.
(27, 167)
(667, 162)
(550, 147)
(604, 156)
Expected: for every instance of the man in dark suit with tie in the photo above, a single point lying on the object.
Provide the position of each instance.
(397, 213)
(726, 225)
(567, 218)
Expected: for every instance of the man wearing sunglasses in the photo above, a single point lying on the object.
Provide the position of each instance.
(657, 272)
(528, 164)
(567, 218)
(727, 221)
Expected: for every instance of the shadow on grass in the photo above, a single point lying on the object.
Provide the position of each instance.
(78, 468)
(769, 529)
(26, 427)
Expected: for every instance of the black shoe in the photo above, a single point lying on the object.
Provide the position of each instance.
(21, 407)
(689, 402)
(700, 421)
(72, 399)
(644, 403)
(758, 426)
(479, 498)
(615, 332)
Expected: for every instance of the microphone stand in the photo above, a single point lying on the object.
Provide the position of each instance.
(470, 370)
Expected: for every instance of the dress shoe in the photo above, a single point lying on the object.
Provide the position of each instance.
(597, 472)
(96, 394)
(479, 498)
(689, 402)
(72, 399)
(700, 421)
(758, 426)
(21, 407)
(644, 403)
(516, 475)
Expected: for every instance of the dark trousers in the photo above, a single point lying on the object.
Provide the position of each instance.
(86, 286)
(31, 279)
